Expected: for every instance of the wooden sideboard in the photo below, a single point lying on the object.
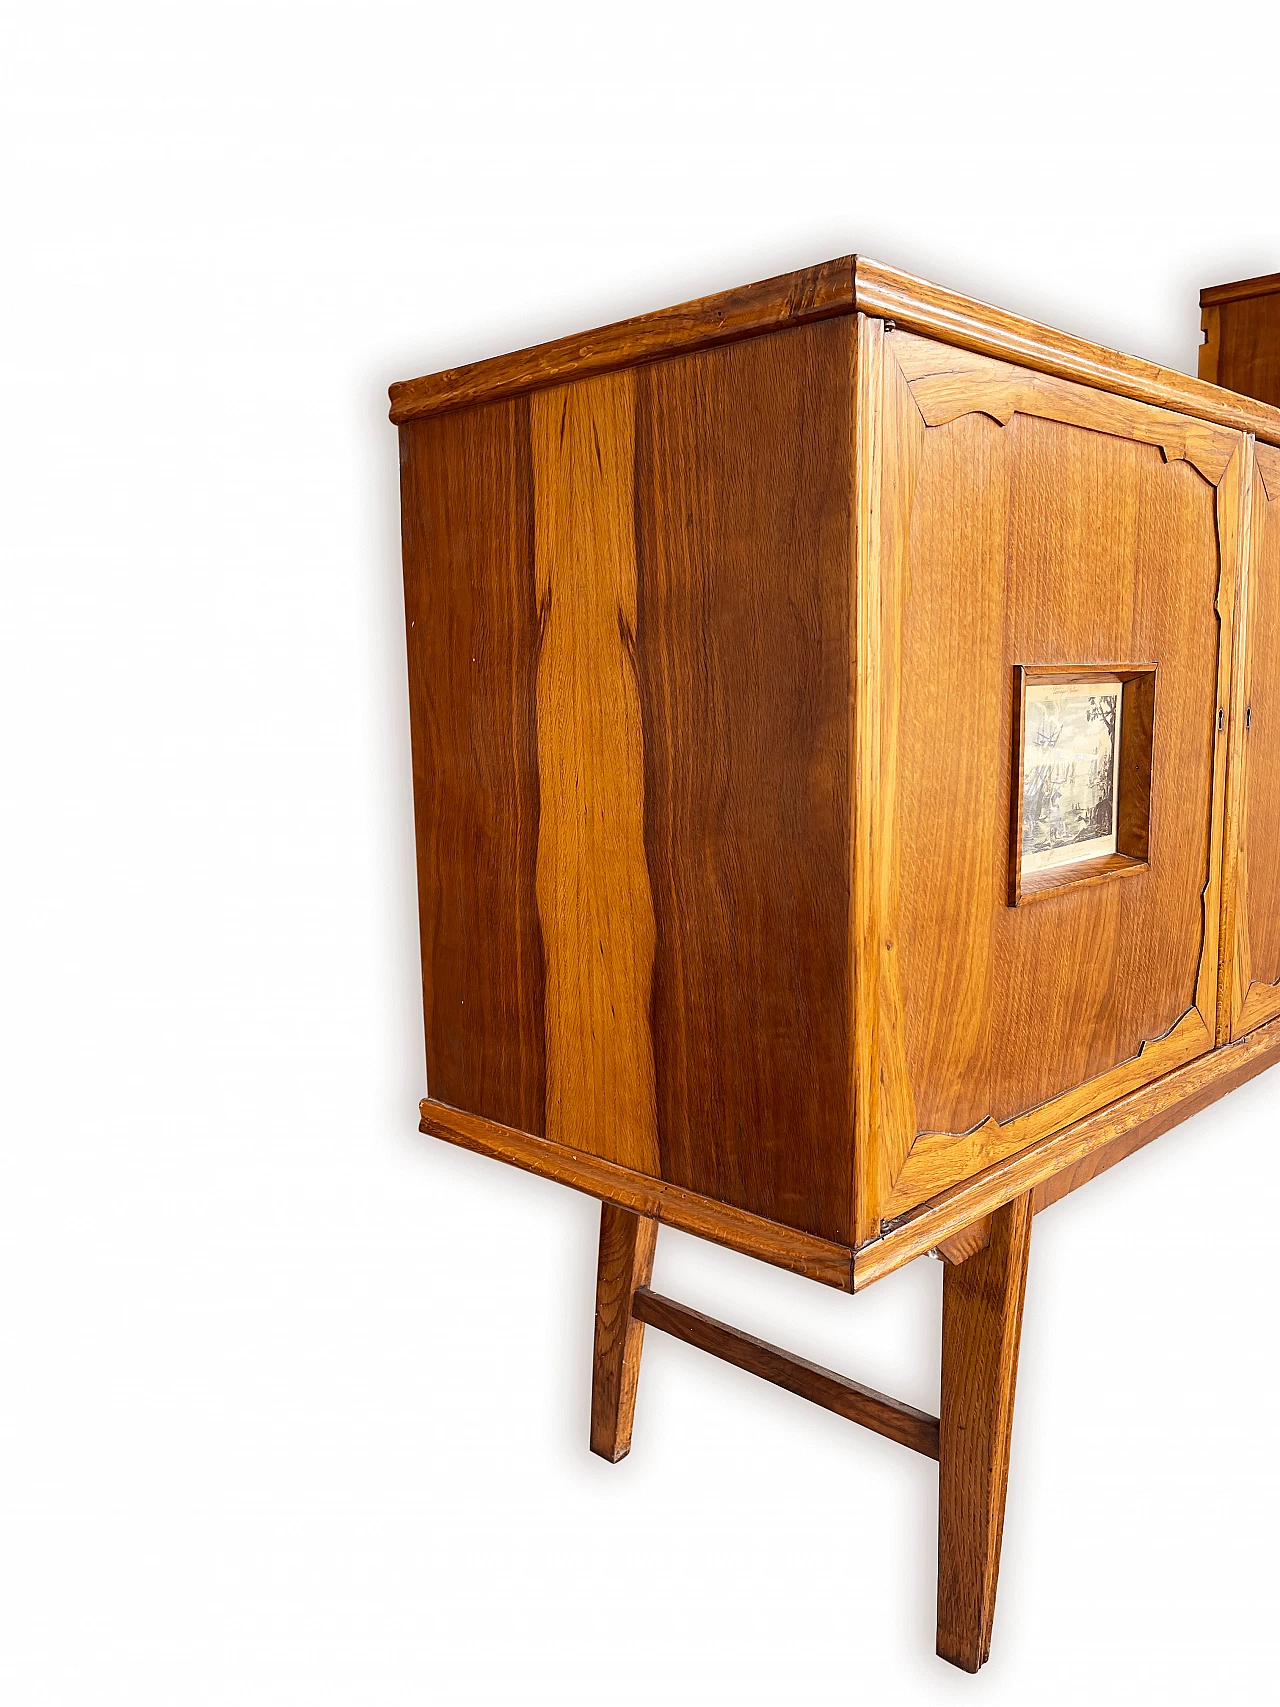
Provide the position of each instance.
(1241, 348)
(846, 743)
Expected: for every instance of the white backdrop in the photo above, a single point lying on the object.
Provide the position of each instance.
(293, 1401)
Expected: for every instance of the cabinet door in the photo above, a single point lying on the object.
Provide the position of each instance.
(1032, 530)
(1251, 982)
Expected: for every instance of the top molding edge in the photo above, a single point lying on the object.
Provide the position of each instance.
(848, 285)
(1240, 291)
(791, 299)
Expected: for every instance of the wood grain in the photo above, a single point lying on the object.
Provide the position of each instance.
(743, 476)
(472, 626)
(1233, 961)
(890, 440)
(1098, 1161)
(982, 1303)
(627, 1244)
(966, 1243)
(914, 305)
(1006, 1176)
(667, 567)
(1266, 285)
(716, 621)
(891, 1417)
(1262, 735)
(1242, 327)
(686, 639)
(1250, 985)
(594, 902)
(784, 1247)
(1047, 541)
(792, 299)
(1136, 761)
(947, 383)
(840, 287)
(939, 1159)
(1056, 880)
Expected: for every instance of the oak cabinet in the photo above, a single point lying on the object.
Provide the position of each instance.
(848, 800)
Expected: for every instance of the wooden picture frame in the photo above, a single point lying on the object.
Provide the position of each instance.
(1133, 780)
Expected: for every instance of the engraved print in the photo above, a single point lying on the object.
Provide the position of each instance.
(1069, 772)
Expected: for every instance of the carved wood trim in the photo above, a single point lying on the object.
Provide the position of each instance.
(1158, 1105)
(939, 1159)
(1261, 1003)
(958, 321)
(944, 384)
(948, 383)
(1244, 1003)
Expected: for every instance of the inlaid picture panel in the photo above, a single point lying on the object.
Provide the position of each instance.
(1070, 760)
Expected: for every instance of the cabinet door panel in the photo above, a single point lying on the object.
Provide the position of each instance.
(1255, 984)
(1047, 526)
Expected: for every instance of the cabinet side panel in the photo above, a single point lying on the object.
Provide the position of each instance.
(1248, 347)
(472, 623)
(743, 491)
(1262, 741)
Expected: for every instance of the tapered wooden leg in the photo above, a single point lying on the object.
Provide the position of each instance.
(626, 1261)
(981, 1324)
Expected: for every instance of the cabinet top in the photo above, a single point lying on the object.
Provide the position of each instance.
(852, 284)
(1241, 290)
